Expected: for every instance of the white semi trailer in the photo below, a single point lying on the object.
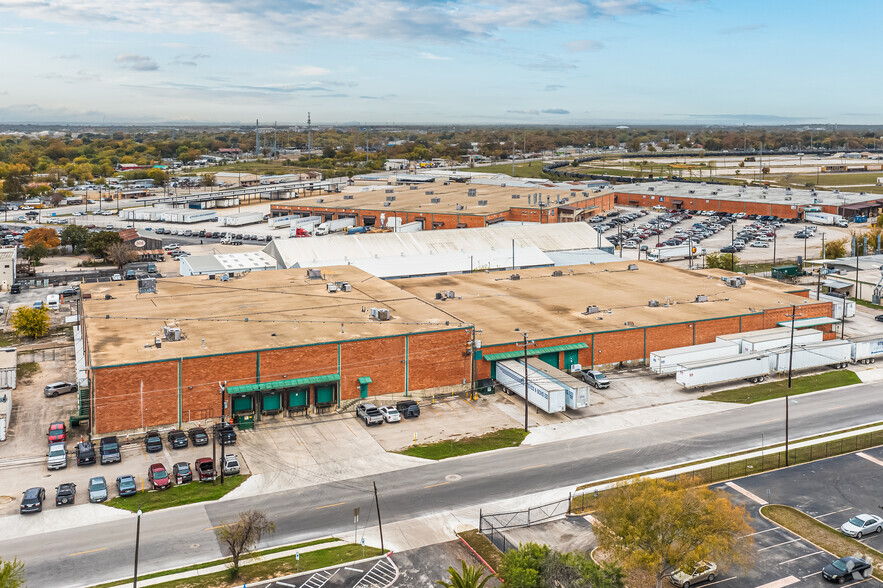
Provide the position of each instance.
(576, 392)
(765, 342)
(542, 391)
(738, 337)
(753, 367)
(835, 353)
(668, 361)
(867, 349)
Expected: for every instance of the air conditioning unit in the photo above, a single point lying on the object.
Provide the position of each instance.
(172, 333)
(390, 198)
(482, 202)
(459, 207)
(557, 273)
(516, 196)
(389, 191)
(347, 196)
(701, 298)
(320, 200)
(515, 277)
(331, 287)
(381, 314)
(592, 309)
(314, 274)
(434, 200)
(430, 192)
(632, 267)
(653, 303)
(345, 286)
(412, 187)
(387, 203)
(471, 192)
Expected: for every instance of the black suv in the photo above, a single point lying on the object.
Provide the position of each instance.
(225, 433)
(198, 436)
(408, 408)
(181, 473)
(109, 450)
(85, 453)
(177, 439)
(32, 501)
(65, 494)
(153, 442)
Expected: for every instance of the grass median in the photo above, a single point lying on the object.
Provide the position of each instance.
(467, 445)
(771, 390)
(483, 547)
(148, 500)
(822, 535)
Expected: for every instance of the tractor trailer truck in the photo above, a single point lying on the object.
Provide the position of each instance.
(334, 226)
(683, 251)
(825, 218)
(753, 367)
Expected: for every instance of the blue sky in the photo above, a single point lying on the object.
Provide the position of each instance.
(441, 61)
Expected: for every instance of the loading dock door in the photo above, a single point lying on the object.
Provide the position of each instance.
(271, 402)
(242, 404)
(570, 358)
(550, 358)
(324, 394)
(297, 398)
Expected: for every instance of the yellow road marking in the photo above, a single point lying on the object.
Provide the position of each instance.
(533, 466)
(618, 450)
(90, 551)
(330, 505)
(470, 404)
(217, 527)
(350, 430)
(434, 485)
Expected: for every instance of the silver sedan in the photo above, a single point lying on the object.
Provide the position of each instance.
(861, 525)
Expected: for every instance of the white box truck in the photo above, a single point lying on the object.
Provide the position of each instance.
(682, 251)
(542, 391)
(333, 226)
(825, 218)
(867, 349)
(668, 361)
(765, 342)
(576, 391)
(836, 353)
(753, 367)
(53, 301)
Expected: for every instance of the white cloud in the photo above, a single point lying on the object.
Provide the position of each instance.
(549, 63)
(310, 70)
(432, 56)
(584, 45)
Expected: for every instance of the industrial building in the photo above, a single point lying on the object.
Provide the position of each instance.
(228, 264)
(780, 202)
(313, 339)
(8, 258)
(452, 205)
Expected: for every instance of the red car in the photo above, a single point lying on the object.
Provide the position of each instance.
(158, 476)
(57, 432)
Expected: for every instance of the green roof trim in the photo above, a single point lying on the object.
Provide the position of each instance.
(267, 386)
(535, 351)
(365, 380)
(810, 322)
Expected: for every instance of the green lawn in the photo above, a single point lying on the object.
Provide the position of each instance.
(27, 370)
(868, 304)
(532, 169)
(467, 445)
(483, 547)
(770, 390)
(176, 495)
(843, 179)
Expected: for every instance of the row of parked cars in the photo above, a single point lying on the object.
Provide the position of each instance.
(387, 414)
(631, 237)
(203, 234)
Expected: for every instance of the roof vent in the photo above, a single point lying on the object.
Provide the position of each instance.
(632, 267)
(701, 298)
(515, 277)
(651, 188)
(314, 274)
(459, 207)
(592, 309)
(653, 303)
(387, 203)
(320, 200)
(482, 202)
(557, 273)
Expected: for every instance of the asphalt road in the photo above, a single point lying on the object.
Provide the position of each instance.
(185, 535)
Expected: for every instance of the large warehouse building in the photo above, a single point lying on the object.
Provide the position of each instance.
(301, 339)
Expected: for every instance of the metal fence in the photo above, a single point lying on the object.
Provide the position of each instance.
(493, 525)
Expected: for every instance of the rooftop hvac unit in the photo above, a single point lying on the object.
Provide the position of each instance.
(482, 202)
(651, 188)
(430, 192)
(592, 309)
(314, 274)
(787, 198)
(331, 287)
(471, 192)
(632, 267)
(444, 295)
(412, 187)
(653, 303)
(701, 298)
(172, 333)
(557, 273)
(459, 207)
(146, 285)
(446, 183)
(389, 191)
(381, 314)
(515, 277)
(434, 200)
(320, 200)
(387, 203)
(390, 198)
(516, 196)
(344, 286)
(347, 196)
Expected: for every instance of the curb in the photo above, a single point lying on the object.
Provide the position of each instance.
(475, 553)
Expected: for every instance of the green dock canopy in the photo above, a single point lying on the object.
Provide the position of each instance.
(265, 386)
(535, 351)
(365, 380)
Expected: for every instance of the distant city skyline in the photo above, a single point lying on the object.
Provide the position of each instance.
(401, 62)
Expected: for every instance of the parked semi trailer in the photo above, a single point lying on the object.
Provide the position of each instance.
(683, 251)
(542, 391)
(836, 353)
(867, 349)
(576, 391)
(738, 337)
(753, 367)
(668, 361)
(765, 342)
(335, 225)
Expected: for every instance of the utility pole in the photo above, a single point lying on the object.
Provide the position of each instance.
(379, 523)
(137, 542)
(790, 361)
(526, 404)
(733, 247)
(223, 389)
(309, 138)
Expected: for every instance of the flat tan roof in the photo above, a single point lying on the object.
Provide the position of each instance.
(553, 306)
(284, 308)
(499, 198)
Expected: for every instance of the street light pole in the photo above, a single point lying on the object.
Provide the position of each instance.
(137, 542)
(790, 362)
(525, 382)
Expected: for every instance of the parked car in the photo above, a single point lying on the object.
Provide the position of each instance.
(369, 413)
(85, 453)
(32, 500)
(596, 379)
(57, 456)
(38, 304)
(390, 414)
(70, 293)
(408, 408)
(181, 473)
(109, 450)
(846, 568)
(153, 442)
(225, 433)
(177, 439)
(861, 525)
(230, 464)
(126, 485)
(703, 572)
(130, 274)
(760, 244)
(97, 489)
(65, 494)
(57, 432)
(879, 318)
(205, 468)
(158, 476)
(56, 388)
(198, 436)
(116, 278)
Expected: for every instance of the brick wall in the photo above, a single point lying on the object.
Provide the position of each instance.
(118, 397)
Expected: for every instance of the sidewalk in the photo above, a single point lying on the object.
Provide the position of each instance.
(225, 566)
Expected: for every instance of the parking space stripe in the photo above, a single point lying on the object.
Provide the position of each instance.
(281, 583)
(779, 544)
(782, 582)
(870, 458)
(832, 512)
(350, 430)
(217, 527)
(533, 466)
(801, 557)
(760, 532)
(747, 494)
(471, 405)
(810, 575)
(722, 581)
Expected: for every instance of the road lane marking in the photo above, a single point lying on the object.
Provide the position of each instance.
(747, 494)
(285, 584)
(870, 458)
(90, 551)
(217, 527)
(779, 544)
(434, 485)
(330, 505)
(769, 421)
(801, 557)
(787, 581)
(533, 466)
(833, 512)
(617, 450)
(759, 532)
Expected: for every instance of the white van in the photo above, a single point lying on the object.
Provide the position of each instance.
(53, 301)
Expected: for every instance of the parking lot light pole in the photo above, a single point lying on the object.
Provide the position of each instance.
(137, 541)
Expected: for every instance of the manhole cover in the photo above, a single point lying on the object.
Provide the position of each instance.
(5, 499)
(453, 477)
(194, 545)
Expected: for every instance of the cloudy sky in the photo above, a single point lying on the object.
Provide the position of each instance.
(441, 61)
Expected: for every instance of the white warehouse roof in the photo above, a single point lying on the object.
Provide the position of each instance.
(222, 263)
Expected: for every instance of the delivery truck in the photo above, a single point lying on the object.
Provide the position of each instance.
(542, 391)
(866, 349)
(668, 361)
(753, 367)
(836, 353)
(576, 391)
(333, 226)
(682, 251)
(766, 342)
(825, 218)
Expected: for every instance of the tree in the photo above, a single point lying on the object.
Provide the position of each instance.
(538, 566)
(98, 243)
(835, 248)
(727, 261)
(207, 180)
(12, 573)
(240, 537)
(30, 322)
(45, 236)
(469, 577)
(660, 526)
(75, 236)
(121, 254)
(35, 252)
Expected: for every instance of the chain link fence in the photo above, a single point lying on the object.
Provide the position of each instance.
(493, 525)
